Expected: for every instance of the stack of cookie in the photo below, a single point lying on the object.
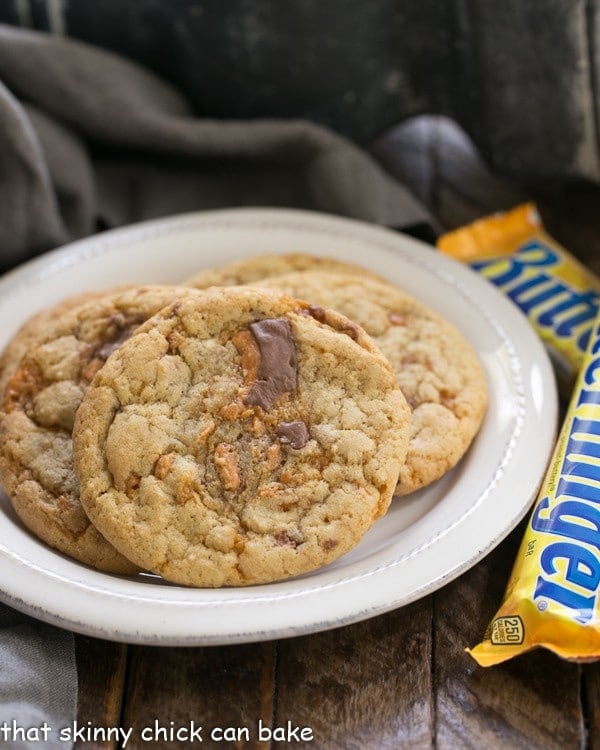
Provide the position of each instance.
(245, 427)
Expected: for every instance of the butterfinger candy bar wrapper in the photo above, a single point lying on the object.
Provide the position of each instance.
(552, 596)
(557, 293)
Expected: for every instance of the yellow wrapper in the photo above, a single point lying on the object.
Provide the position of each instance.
(557, 293)
(552, 596)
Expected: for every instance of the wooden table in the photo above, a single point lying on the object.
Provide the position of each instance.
(400, 680)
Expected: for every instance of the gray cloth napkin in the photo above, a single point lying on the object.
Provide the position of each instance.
(38, 682)
(90, 140)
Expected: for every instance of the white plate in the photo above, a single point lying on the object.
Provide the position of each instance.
(424, 541)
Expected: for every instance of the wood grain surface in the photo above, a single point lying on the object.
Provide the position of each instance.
(513, 705)
(398, 681)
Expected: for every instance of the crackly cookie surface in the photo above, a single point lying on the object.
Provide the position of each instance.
(248, 270)
(48, 366)
(437, 369)
(32, 329)
(235, 439)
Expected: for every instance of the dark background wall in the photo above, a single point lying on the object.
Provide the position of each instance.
(519, 76)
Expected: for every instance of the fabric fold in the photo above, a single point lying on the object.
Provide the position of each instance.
(82, 112)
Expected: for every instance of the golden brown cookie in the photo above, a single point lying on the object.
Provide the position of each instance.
(437, 369)
(236, 439)
(33, 328)
(48, 366)
(249, 270)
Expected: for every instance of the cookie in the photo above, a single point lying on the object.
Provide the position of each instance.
(235, 439)
(437, 369)
(32, 329)
(248, 270)
(48, 366)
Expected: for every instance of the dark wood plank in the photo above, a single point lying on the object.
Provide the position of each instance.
(591, 702)
(101, 672)
(363, 686)
(178, 689)
(529, 703)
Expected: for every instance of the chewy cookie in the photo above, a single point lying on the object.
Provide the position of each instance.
(47, 368)
(33, 329)
(235, 439)
(437, 369)
(249, 270)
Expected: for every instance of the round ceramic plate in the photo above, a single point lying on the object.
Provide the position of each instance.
(424, 541)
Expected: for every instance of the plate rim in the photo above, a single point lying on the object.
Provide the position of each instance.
(448, 271)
